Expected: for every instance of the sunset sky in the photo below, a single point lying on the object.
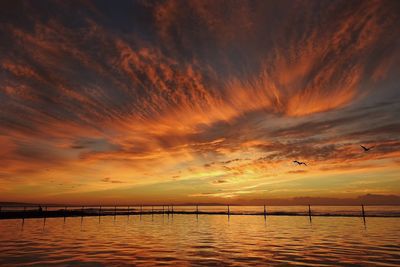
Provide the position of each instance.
(198, 101)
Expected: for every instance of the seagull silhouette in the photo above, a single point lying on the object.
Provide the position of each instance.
(366, 149)
(299, 162)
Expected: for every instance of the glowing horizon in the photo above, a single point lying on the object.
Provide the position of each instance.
(198, 101)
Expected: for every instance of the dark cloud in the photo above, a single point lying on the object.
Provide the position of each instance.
(95, 144)
(219, 181)
(109, 180)
(77, 146)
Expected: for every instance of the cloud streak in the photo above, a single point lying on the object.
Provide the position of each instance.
(225, 94)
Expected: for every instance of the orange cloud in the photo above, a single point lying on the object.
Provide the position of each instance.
(225, 94)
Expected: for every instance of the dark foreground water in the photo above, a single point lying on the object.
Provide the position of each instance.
(209, 240)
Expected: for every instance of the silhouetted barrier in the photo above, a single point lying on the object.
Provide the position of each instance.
(363, 213)
(26, 212)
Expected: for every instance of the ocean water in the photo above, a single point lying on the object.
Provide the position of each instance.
(204, 240)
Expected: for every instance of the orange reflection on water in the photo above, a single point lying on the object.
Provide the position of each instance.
(204, 240)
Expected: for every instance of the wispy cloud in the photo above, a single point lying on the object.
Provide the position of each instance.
(225, 94)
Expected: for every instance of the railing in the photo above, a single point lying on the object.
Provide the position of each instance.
(44, 211)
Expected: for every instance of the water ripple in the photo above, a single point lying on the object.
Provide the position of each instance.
(208, 241)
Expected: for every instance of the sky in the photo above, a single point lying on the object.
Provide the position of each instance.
(198, 101)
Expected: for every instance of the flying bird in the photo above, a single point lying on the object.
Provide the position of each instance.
(299, 162)
(366, 149)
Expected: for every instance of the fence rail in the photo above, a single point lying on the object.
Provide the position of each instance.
(39, 211)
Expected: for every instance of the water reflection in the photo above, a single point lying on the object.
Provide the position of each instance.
(200, 240)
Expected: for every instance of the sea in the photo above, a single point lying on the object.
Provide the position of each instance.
(241, 239)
